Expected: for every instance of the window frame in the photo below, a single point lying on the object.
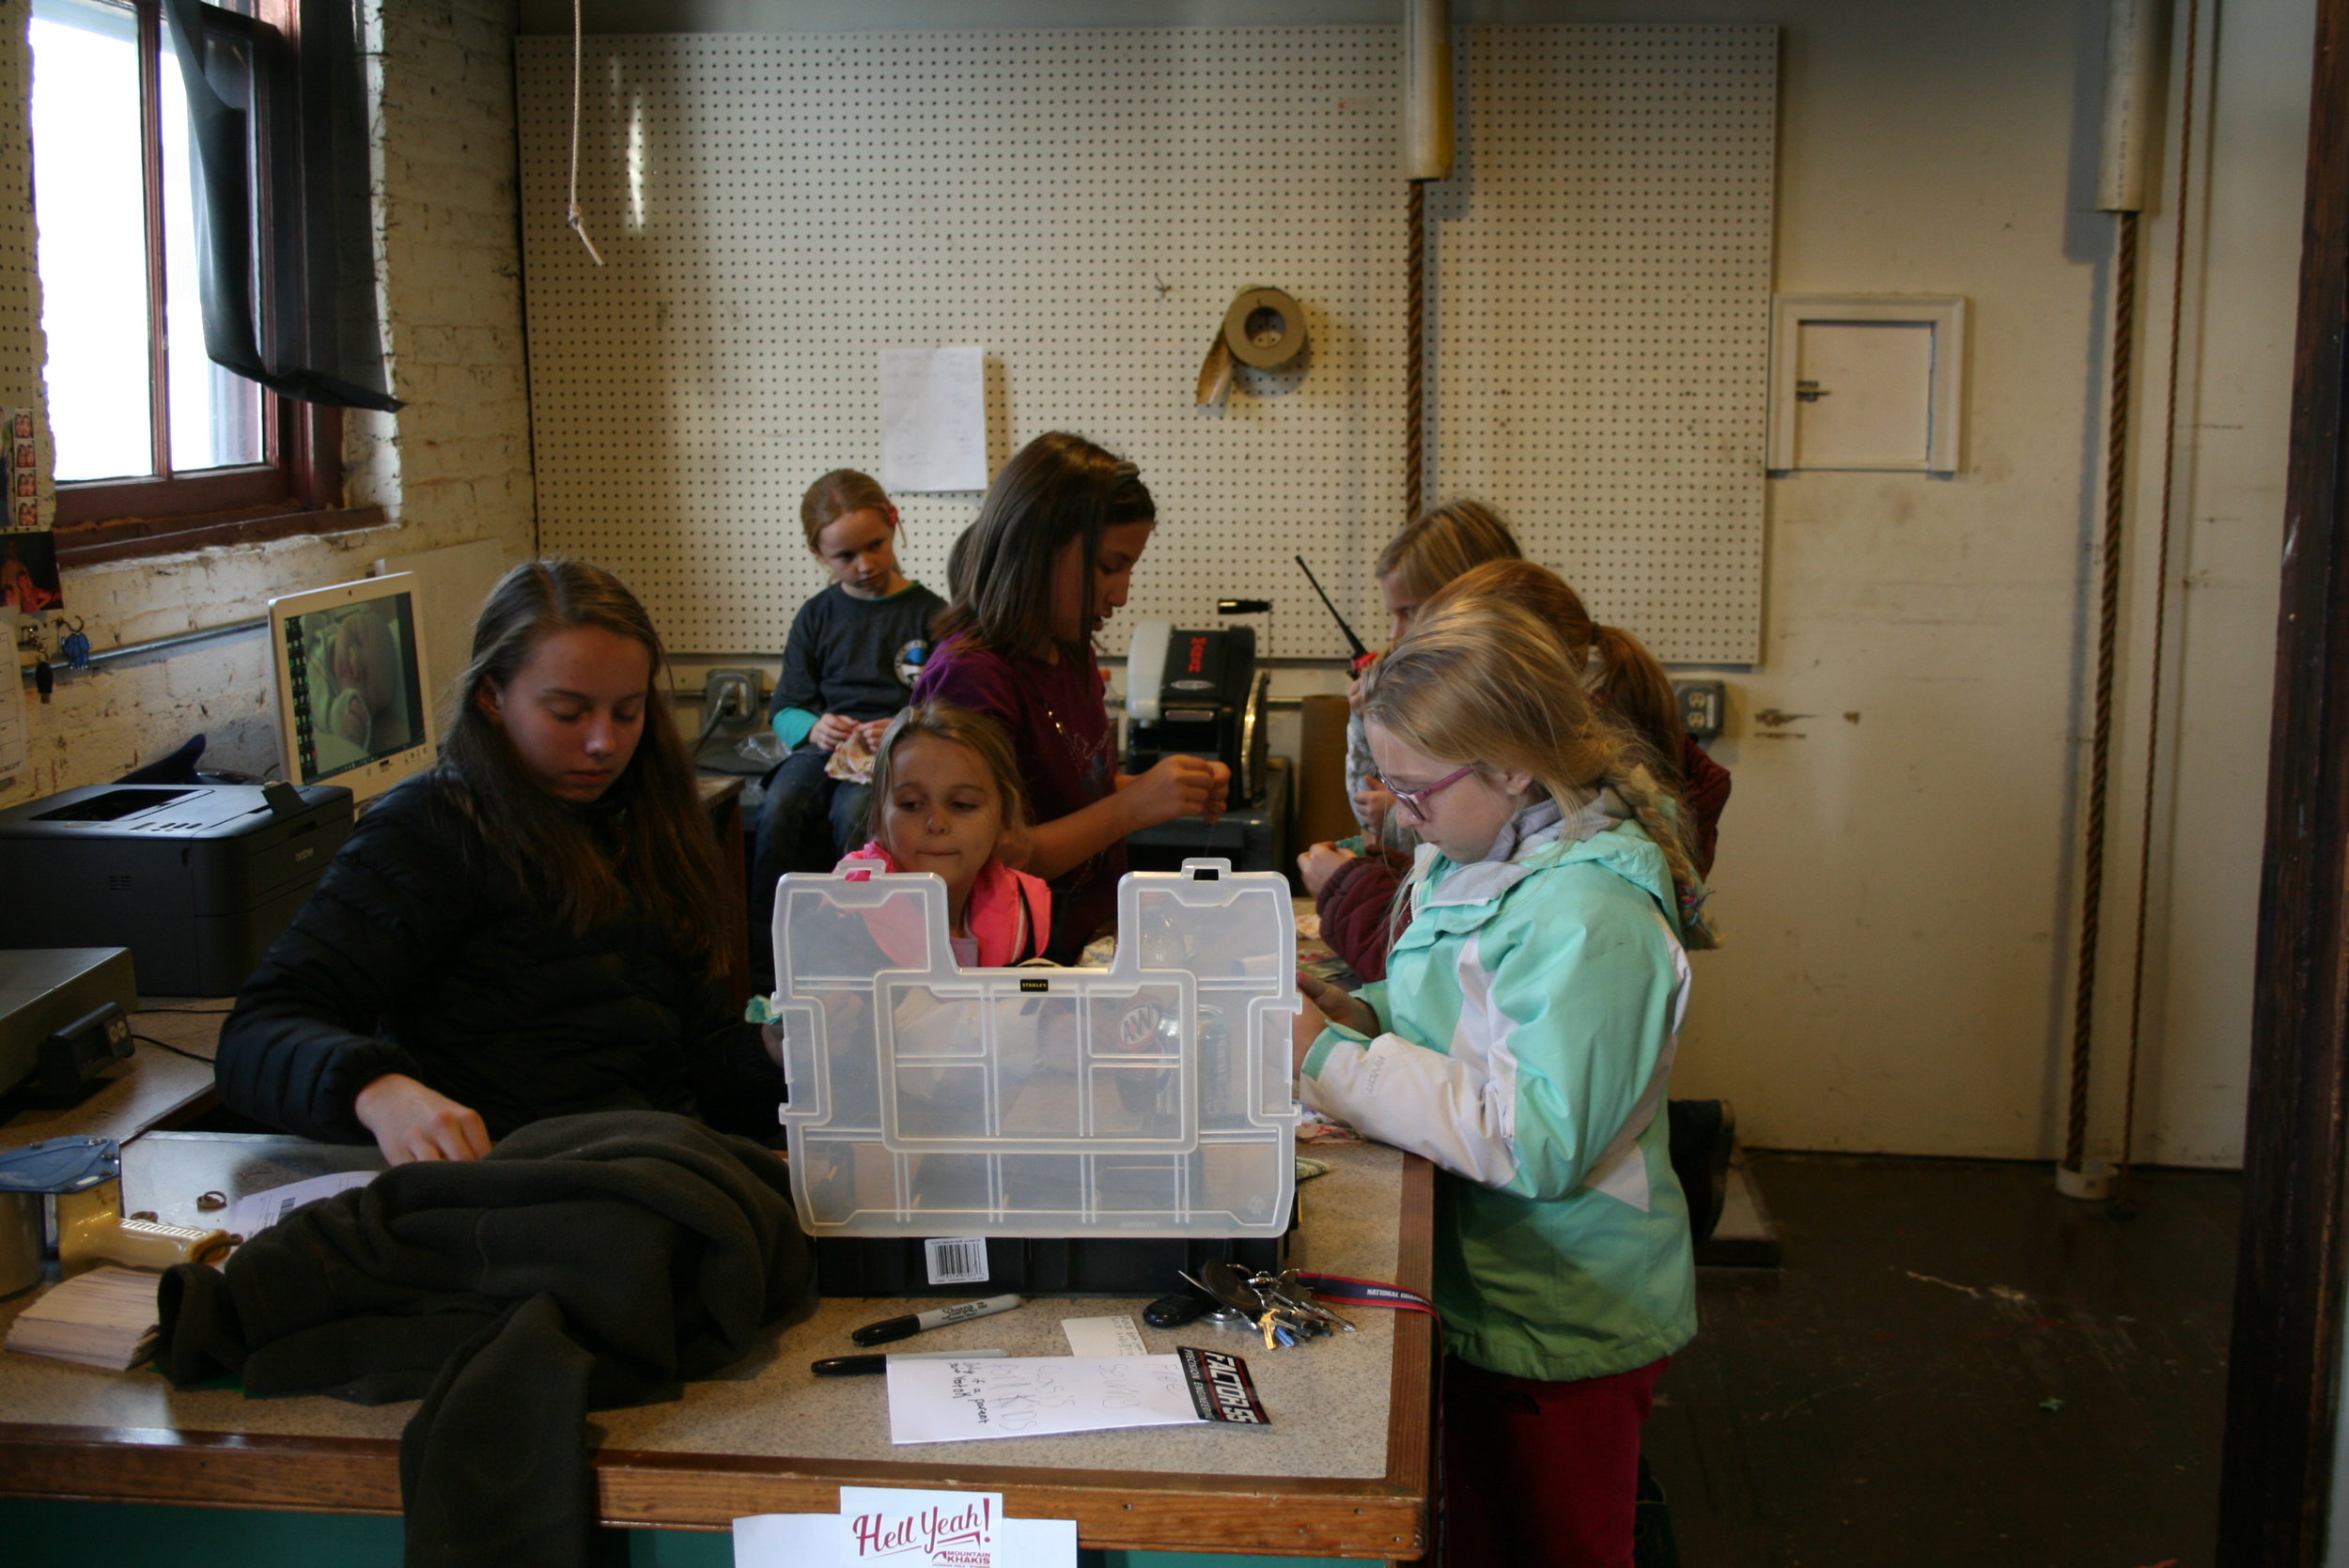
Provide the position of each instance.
(298, 486)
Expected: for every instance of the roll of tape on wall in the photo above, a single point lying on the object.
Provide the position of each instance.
(1265, 328)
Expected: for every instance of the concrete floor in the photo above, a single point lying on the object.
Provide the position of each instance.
(1956, 1366)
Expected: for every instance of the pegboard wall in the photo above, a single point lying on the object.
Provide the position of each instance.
(774, 209)
(21, 348)
(1602, 314)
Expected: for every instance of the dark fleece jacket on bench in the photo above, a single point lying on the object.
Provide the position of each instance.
(589, 1262)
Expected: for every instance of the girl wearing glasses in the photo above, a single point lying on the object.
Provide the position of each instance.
(1354, 892)
(1522, 1041)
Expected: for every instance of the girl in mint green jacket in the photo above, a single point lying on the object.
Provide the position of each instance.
(1522, 1041)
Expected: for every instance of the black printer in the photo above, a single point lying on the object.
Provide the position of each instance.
(1198, 691)
(195, 879)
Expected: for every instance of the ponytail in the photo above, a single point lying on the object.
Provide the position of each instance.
(1626, 677)
(1631, 687)
(1486, 678)
(1658, 811)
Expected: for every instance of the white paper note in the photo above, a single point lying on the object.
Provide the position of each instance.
(257, 1211)
(907, 1529)
(1033, 1396)
(1103, 1336)
(933, 419)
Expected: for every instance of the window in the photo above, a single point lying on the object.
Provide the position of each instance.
(152, 440)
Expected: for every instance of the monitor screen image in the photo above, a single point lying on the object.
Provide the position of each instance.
(351, 694)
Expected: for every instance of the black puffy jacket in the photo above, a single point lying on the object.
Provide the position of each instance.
(422, 953)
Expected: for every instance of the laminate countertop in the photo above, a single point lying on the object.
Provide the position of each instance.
(1342, 1470)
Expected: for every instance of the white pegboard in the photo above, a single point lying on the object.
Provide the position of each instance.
(776, 209)
(20, 303)
(1603, 315)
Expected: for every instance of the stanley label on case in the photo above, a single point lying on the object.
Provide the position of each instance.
(1035, 984)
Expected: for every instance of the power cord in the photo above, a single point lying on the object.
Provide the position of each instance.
(722, 700)
(176, 1051)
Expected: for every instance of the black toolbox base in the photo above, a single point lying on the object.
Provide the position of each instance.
(1089, 1265)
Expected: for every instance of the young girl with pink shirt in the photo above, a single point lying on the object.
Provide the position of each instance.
(946, 799)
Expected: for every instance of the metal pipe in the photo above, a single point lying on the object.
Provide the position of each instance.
(2134, 33)
(177, 639)
(1428, 116)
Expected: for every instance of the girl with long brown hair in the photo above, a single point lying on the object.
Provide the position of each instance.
(1037, 574)
(1430, 552)
(534, 927)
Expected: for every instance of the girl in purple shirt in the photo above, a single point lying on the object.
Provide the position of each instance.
(1035, 577)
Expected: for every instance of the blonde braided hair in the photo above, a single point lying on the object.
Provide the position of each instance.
(1483, 680)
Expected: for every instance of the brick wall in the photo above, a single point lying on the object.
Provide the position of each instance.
(454, 465)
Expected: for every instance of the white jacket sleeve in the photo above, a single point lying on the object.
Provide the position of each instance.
(1556, 1062)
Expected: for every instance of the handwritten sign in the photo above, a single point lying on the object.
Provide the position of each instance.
(904, 1529)
(1039, 1396)
(933, 419)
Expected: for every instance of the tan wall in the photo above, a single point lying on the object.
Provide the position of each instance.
(1900, 886)
(1899, 876)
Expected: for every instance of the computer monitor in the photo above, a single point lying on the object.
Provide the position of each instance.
(351, 701)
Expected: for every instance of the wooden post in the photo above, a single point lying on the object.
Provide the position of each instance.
(2277, 1469)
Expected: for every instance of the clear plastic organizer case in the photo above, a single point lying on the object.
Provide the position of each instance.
(1150, 1098)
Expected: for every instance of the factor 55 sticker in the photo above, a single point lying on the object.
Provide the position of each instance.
(1221, 1388)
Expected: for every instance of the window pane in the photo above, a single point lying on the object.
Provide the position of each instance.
(89, 204)
(215, 413)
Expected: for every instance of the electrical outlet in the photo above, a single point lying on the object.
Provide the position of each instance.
(729, 694)
(1704, 706)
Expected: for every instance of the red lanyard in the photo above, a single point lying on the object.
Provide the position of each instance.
(1368, 1293)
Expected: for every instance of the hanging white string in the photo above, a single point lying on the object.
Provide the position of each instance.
(571, 217)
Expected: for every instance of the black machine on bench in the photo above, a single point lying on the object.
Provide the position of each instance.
(196, 880)
(1198, 693)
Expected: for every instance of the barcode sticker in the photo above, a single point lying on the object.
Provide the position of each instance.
(956, 1260)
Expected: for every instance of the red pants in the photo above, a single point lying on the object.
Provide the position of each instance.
(1541, 1473)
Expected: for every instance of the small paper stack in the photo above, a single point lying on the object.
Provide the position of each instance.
(103, 1318)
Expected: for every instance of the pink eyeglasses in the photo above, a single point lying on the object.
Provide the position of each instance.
(1417, 798)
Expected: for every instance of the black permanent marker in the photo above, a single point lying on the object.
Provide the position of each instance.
(936, 1317)
(856, 1366)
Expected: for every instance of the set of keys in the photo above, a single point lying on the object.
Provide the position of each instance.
(1278, 1305)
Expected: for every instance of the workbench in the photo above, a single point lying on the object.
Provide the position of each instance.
(1343, 1471)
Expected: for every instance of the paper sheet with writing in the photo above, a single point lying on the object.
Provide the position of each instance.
(1037, 1396)
(933, 419)
(1103, 1336)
